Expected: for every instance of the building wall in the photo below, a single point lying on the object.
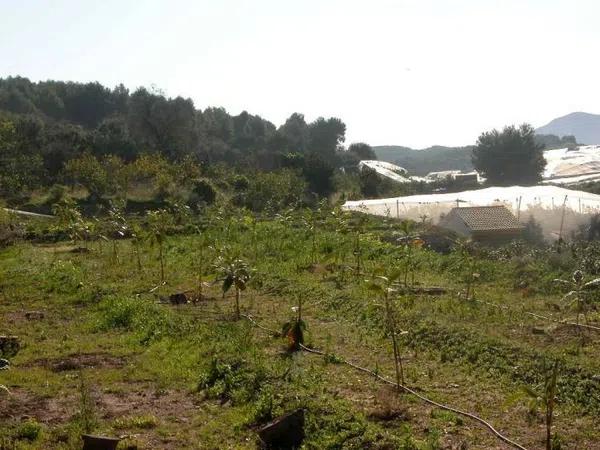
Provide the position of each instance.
(496, 236)
(456, 224)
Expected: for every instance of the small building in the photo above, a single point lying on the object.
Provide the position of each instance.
(470, 179)
(493, 224)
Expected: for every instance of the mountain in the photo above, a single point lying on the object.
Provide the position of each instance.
(432, 159)
(584, 126)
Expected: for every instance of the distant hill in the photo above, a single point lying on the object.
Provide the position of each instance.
(432, 159)
(439, 158)
(584, 126)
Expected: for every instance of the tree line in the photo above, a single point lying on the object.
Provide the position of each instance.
(55, 132)
(44, 125)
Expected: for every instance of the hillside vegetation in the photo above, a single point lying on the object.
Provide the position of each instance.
(439, 158)
(432, 159)
(45, 126)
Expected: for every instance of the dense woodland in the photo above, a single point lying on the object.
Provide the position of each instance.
(144, 146)
(63, 132)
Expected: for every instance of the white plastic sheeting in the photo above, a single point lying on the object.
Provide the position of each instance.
(386, 169)
(566, 166)
(569, 181)
(545, 203)
(563, 167)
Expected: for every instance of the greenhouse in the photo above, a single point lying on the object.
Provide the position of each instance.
(558, 210)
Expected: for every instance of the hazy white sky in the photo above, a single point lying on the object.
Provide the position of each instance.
(406, 72)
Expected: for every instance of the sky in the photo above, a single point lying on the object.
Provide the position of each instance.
(398, 72)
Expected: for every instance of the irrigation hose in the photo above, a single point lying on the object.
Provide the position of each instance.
(538, 316)
(400, 386)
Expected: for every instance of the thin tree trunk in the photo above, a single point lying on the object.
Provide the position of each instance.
(548, 429)
(237, 303)
(358, 254)
(408, 261)
(200, 293)
(314, 246)
(200, 271)
(137, 256)
(397, 362)
(392, 330)
(162, 264)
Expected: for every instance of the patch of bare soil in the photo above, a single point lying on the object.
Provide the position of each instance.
(567, 332)
(20, 405)
(124, 400)
(171, 406)
(80, 361)
(135, 399)
(25, 316)
(51, 248)
(387, 406)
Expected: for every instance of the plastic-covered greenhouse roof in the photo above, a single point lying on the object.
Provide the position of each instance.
(563, 163)
(389, 170)
(558, 210)
(544, 196)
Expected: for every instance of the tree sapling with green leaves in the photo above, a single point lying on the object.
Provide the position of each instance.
(382, 286)
(543, 398)
(235, 272)
(71, 220)
(581, 296)
(159, 222)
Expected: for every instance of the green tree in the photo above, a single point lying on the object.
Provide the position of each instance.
(510, 156)
(383, 287)
(21, 170)
(294, 134)
(582, 295)
(235, 272)
(203, 193)
(165, 125)
(326, 137)
(318, 172)
(362, 151)
(159, 223)
(90, 173)
(369, 181)
(278, 189)
(70, 219)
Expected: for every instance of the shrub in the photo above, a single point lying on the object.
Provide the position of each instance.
(264, 407)
(30, 430)
(62, 277)
(240, 183)
(56, 194)
(203, 192)
(144, 317)
(10, 229)
(273, 189)
(232, 379)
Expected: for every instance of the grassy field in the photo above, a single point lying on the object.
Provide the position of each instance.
(108, 353)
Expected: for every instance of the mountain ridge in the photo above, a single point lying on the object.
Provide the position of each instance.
(584, 126)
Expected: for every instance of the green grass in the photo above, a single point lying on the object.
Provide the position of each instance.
(192, 377)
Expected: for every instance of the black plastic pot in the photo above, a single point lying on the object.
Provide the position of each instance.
(99, 442)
